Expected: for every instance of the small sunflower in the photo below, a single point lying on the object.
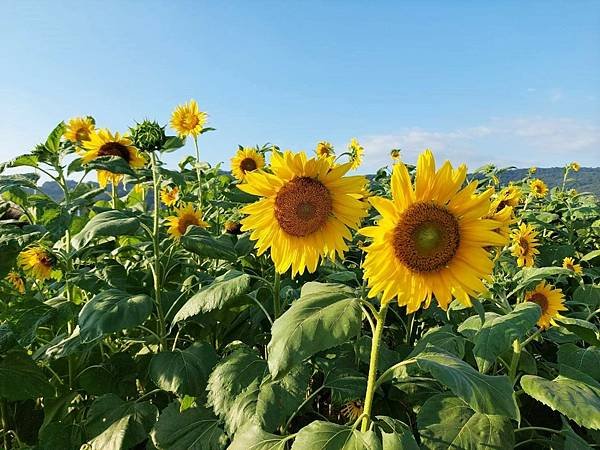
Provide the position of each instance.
(503, 214)
(353, 410)
(169, 196)
(79, 129)
(233, 227)
(104, 143)
(432, 239)
(184, 217)
(306, 211)
(532, 170)
(246, 160)
(575, 166)
(551, 301)
(569, 263)
(356, 153)
(524, 243)
(538, 187)
(325, 150)
(37, 262)
(187, 119)
(17, 282)
(509, 196)
(395, 153)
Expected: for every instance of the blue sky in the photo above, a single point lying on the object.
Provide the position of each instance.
(507, 82)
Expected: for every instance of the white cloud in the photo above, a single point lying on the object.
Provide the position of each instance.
(519, 141)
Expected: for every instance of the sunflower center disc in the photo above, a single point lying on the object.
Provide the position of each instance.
(524, 244)
(302, 206)
(541, 300)
(114, 149)
(185, 222)
(426, 237)
(248, 165)
(82, 134)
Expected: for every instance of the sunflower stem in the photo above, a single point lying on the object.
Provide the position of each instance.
(113, 195)
(374, 361)
(276, 295)
(156, 273)
(514, 363)
(4, 419)
(198, 172)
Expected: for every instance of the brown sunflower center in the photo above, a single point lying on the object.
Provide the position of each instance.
(185, 221)
(45, 260)
(524, 244)
(82, 134)
(541, 300)
(190, 121)
(302, 206)
(426, 237)
(114, 149)
(248, 165)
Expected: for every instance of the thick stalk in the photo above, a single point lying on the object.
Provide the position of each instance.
(374, 361)
(198, 172)
(276, 296)
(156, 273)
(514, 363)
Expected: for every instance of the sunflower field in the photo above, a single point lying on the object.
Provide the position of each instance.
(289, 303)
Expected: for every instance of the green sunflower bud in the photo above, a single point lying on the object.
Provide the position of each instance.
(148, 136)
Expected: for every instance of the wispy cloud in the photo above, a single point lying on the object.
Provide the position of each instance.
(520, 141)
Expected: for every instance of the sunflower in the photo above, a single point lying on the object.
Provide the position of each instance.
(532, 170)
(356, 153)
(569, 263)
(395, 153)
(187, 119)
(575, 166)
(509, 196)
(503, 214)
(246, 160)
(524, 243)
(169, 196)
(37, 262)
(432, 239)
(184, 217)
(306, 210)
(550, 300)
(104, 143)
(353, 410)
(17, 282)
(325, 150)
(538, 187)
(79, 129)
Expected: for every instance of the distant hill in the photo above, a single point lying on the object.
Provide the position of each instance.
(586, 180)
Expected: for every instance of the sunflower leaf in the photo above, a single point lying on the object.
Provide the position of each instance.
(112, 310)
(199, 241)
(321, 435)
(315, 322)
(22, 379)
(484, 393)
(497, 334)
(572, 393)
(445, 421)
(106, 224)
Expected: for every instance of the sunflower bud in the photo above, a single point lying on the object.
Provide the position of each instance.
(148, 136)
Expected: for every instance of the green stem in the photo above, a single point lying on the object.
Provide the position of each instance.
(374, 360)
(198, 172)
(384, 376)
(549, 430)
(276, 295)
(514, 363)
(113, 196)
(156, 273)
(4, 419)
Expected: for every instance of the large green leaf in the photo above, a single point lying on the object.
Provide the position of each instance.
(484, 393)
(497, 335)
(447, 422)
(572, 393)
(113, 424)
(22, 379)
(106, 224)
(217, 295)
(586, 360)
(441, 337)
(201, 242)
(112, 310)
(114, 164)
(582, 328)
(321, 435)
(10, 249)
(184, 372)
(587, 294)
(192, 429)
(395, 435)
(315, 322)
(252, 437)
